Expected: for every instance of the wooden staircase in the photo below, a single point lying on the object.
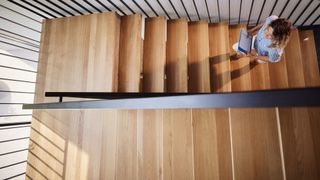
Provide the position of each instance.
(175, 56)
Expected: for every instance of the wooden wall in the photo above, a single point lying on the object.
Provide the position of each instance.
(105, 52)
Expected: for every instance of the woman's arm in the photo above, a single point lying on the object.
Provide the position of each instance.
(253, 31)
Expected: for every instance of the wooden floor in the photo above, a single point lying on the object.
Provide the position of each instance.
(105, 52)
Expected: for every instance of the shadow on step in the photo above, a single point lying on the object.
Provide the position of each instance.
(222, 71)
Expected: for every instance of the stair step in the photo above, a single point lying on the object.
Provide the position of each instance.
(198, 57)
(130, 57)
(177, 56)
(219, 57)
(154, 54)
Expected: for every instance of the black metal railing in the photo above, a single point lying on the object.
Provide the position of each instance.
(298, 97)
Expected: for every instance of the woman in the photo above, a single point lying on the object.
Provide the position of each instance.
(271, 38)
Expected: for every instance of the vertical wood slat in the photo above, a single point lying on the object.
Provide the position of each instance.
(176, 56)
(219, 57)
(80, 53)
(150, 122)
(198, 57)
(154, 53)
(177, 124)
(130, 53)
(256, 151)
(211, 138)
(129, 81)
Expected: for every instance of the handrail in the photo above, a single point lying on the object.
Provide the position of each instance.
(298, 97)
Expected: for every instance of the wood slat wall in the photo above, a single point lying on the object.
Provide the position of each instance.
(264, 143)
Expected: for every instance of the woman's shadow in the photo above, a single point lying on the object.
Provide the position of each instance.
(234, 74)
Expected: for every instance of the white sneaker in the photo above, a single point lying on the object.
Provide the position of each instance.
(260, 61)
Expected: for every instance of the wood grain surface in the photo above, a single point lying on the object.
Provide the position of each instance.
(154, 54)
(176, 56)
(219, 57)
(130, 57)
(255, 138)
(198, 57)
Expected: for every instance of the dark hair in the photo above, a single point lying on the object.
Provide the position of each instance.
(281, 32)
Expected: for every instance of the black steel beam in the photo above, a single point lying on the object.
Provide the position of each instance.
(163, 9)
(305, 8)
(19, 24)
(114, 5)
(195, 7)
(208, 11)
(60, 7)
(17, 80)
(124, 3)
(19, 35)
(141, 9)
(149, 5)
(17, 40)
(15, 115)
(48, 7)
(274, 5)
(252, 2)
(316, 19)
(314, 10)
(81, 6)
(261, 10)
(19, 69)
(94, 7)
(25, 59)
(3, 167)
(71, 7)
(218, 5)
(185, 9)
(175, 10)
(284, 7)
(39, 9)
(298, 97)
(240, 11)
(294, 9)
(24, 7)
(35, 20)
(21, 47)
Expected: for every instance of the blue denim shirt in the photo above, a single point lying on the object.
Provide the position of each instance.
(261, 43)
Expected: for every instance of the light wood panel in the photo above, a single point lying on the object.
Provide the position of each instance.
(176, 56)
(129, 81)
(130, 53)
(255, 140)
(81, 52)
(177, 125)
(211, 135)
(240, 69)
(198, 57)
(154, 54)
(177, 144)
(219, 57)
(150, 122)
